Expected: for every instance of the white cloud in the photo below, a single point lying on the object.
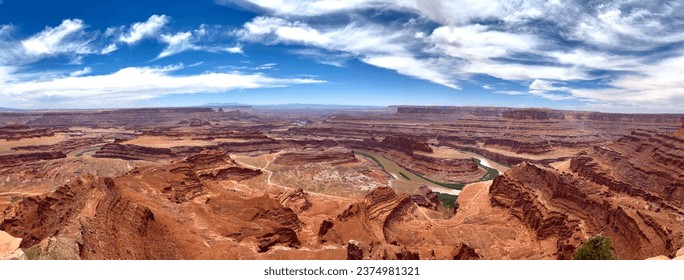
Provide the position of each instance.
(309, 7)
(142, 30)
(69, 39)
(113, 31)
(406, 65)
(58, 40)
(522, 72)
(176, 43)
(596, 60)
(540, 43)
(542, 88)
(141, 83)
(660, 85)
(624, 25)
(6, 73)
(235, 49)
(196, 64)
(324, 57)
(441, 11)
(109, 49)
(79, 88)
(5, 30)
(511, 92)
(84, 71)
(184, 41)
(200, 39)
(282, 30)
(373, 44)
(476, 42)
(267, 66)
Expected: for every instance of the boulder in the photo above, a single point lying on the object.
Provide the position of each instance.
(9, 247)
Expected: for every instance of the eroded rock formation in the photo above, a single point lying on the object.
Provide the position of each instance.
(22, 158)
(465, 252)
(121, 117)
(134, 152)
(232, 188)
(425, 197)
(527, 114)
(332, 156)
(639, 216)
(19, 131)
(184, 180)
(89, 212)
(295, 199)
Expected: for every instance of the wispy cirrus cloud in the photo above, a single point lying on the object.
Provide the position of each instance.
(590, 51)
(68, 87)
(69, 39)
(338, 59)
(58, 40)
(147, 29)
(192, 40)
(141, 83)
(109, 49)
(84, 71)
(374, 44)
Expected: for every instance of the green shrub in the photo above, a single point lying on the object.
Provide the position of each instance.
(596, 248)
(448, 200)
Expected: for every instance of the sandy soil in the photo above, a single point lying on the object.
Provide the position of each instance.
(563, 166)
(556, 153)
(445, 152)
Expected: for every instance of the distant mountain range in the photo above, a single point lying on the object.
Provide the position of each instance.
(227, 105)
(293, 106)
(299, 106)
(3, 109)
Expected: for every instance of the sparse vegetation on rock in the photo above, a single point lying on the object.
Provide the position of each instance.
(596, 248)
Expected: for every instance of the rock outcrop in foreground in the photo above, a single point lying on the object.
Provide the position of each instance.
(90, 220)
(678, 256)
(632, 191)
(9, 247)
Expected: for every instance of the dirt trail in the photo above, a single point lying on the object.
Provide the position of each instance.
(471, 207)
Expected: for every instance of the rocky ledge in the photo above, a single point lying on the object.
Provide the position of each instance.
(134, 152)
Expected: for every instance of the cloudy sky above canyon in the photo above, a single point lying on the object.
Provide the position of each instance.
(619, 56)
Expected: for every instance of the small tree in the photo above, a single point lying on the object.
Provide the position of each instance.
(596, 248)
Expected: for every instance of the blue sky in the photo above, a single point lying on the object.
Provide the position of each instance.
(619, 56)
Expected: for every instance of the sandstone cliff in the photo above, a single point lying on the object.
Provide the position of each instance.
(525, 114)
(134, 152)
(92, 216)
(22, 158)
(567, 209)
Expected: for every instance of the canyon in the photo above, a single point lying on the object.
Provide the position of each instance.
(402, 182)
